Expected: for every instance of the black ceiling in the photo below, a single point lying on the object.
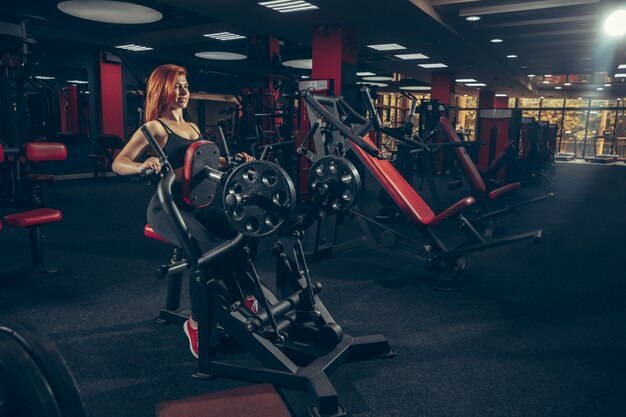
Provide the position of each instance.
(562, 38)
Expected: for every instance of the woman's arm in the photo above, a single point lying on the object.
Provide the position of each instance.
(125, 162)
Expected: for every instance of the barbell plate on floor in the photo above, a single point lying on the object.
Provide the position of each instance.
(259, 196)
(342, 179)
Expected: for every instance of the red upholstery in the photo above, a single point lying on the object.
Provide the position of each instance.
(149, 232)
(1, 154)
(407, 199)
(188, 171)
(45, 151)
(33, 217)
(468, 165)
(452, 210)
(503, 190)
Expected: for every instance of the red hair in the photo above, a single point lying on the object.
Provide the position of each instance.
(161, 89)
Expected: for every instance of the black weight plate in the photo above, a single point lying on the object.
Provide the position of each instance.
(198, 190)
(259, 196)
(342, 179)
(57, 373)
(28, 393)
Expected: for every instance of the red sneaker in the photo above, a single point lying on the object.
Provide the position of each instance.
(252, 303)
(192, 335)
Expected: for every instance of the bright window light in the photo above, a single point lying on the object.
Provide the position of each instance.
(412, 56)
(224, 36)
(437, 65)
(288, 6)
(465, 80)
(386, 47)
(615, 24)
(135, 48)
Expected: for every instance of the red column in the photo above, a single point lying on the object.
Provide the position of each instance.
(442, 86)
(501, 103)
(334, 54)
(111, 97)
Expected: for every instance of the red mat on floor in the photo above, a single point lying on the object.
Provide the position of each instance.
(256, 400)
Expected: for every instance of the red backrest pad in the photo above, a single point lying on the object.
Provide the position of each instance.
(407, 199)
(1, 154)
(45, 151)
(466, 161)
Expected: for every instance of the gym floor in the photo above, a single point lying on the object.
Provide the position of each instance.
(530, 330)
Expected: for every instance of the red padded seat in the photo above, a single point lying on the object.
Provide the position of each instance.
(45, 151)
(149, 232)
(402, 193)
(33, 217)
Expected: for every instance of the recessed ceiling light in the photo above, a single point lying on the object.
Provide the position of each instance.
(620, 75)
(77, 82)
(476, 85)
(531, 75)
(299, 63)
(415, 88)
(600, 88)
(546, 82)
(465, 80)
(220, 55)
(511, 56)
(580, 98)
(135, 48)
(472, 18)
(378, 78)
(607, 85)
(412, 56)
(288, 6)
(304, 77)
(110, 11)
(501, 95)
(622, 66)
(224, 36)
(44, 77)
(567, 83)
(547, 75)
(615, 24)
(496, 40)
(386, 47)
(437, 65)
(364, 74)
(557, 87)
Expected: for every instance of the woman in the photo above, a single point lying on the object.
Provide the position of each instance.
(167, 95)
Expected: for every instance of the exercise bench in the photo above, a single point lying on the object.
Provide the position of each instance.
(32, 220)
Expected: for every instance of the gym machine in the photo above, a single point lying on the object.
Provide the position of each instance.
(601, 143)
(293, 340)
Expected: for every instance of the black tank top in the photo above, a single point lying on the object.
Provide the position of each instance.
(176, 146)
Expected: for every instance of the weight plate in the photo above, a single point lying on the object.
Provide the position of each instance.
(259, 197)
(341, 179)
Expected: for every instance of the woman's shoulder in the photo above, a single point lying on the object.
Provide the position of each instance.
(155, 127)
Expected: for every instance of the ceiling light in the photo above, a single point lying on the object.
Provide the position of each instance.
(437, 65)
(288, 6)
(77, 82)
(416, 88)
(511, 56)
(299, 63)
(607, 85)
(600, 88)
(364, 74)
(110, 11)
(557, 87)
(546, 82)
(376, 84)
(134, 48)
(620, 75)
(622, 66)
(412, 56)
(221, 55)
(547, 76)
(378, 78)
(304, 77)
(476, 85)
(580, 98)
(386, 46)
(501, 95)
(496, 40)
(567, 84)
(465, 80)
(615, 24)
(531, 75)
(472, 18)
(44, 77)
(224, 36)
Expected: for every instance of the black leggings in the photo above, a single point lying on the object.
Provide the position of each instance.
(210, 227)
